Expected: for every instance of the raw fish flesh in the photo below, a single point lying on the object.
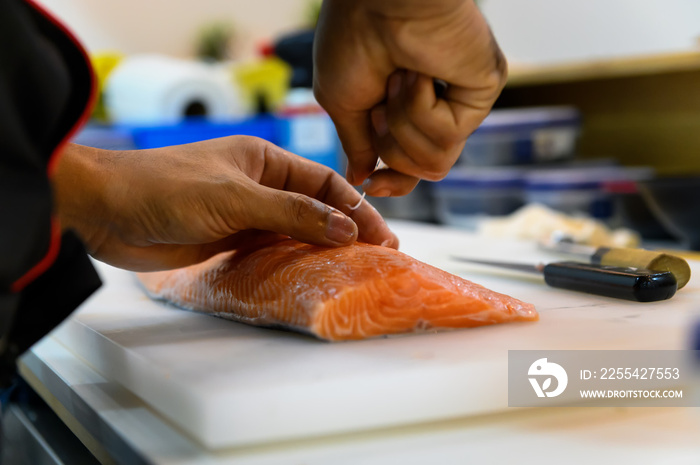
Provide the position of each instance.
(353, 292)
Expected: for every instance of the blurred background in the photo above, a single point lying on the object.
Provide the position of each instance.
(597, 133)
(537, 31)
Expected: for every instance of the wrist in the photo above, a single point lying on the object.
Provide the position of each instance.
(80, 201)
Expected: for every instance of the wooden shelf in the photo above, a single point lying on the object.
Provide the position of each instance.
(526, 75)
(641, 110)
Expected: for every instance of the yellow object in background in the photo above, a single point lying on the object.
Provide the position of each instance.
(263, 81)
(103, 63)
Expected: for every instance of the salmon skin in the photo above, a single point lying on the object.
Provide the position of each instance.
(353, 292)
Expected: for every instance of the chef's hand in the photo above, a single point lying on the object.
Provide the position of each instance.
(171, 207)
(375, 61)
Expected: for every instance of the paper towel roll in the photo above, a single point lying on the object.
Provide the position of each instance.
(151, 90)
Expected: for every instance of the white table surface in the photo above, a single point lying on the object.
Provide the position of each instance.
(120, 428)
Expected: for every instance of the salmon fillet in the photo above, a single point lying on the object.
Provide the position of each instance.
(352, 292)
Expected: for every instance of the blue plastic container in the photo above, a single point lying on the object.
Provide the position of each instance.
(523, 136)
(572, 190)
(311, 136)
(195, 130)
(468, 195)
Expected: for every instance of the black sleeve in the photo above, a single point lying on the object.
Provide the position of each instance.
(48, 300)
(45, 86)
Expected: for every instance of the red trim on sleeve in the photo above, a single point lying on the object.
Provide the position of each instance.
(55, 242)
(46, 262)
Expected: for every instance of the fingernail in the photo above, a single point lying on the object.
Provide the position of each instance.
(393, 242)
(340, 228)
(395, 84)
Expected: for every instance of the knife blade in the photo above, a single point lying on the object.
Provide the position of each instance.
(626, 283)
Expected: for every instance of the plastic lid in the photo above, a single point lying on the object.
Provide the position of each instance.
(569, 178)
(491, 177)
(529, 118)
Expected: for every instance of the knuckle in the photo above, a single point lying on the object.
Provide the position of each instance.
(435, 175)
(248, 145)
(416, 162)
(300, 208)
(250, 140)
(333, 179)
(405, 189)
(450, 137)
(437, 166)
(501, 66)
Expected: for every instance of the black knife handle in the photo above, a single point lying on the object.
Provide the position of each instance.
(610, 281)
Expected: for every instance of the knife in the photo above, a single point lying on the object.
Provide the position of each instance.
(610, 281)
(624, 257)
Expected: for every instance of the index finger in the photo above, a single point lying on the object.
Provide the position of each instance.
(290, 172)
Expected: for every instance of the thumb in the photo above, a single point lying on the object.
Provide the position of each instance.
(300, 217)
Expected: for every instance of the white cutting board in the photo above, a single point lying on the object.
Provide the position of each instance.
(228, 385)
